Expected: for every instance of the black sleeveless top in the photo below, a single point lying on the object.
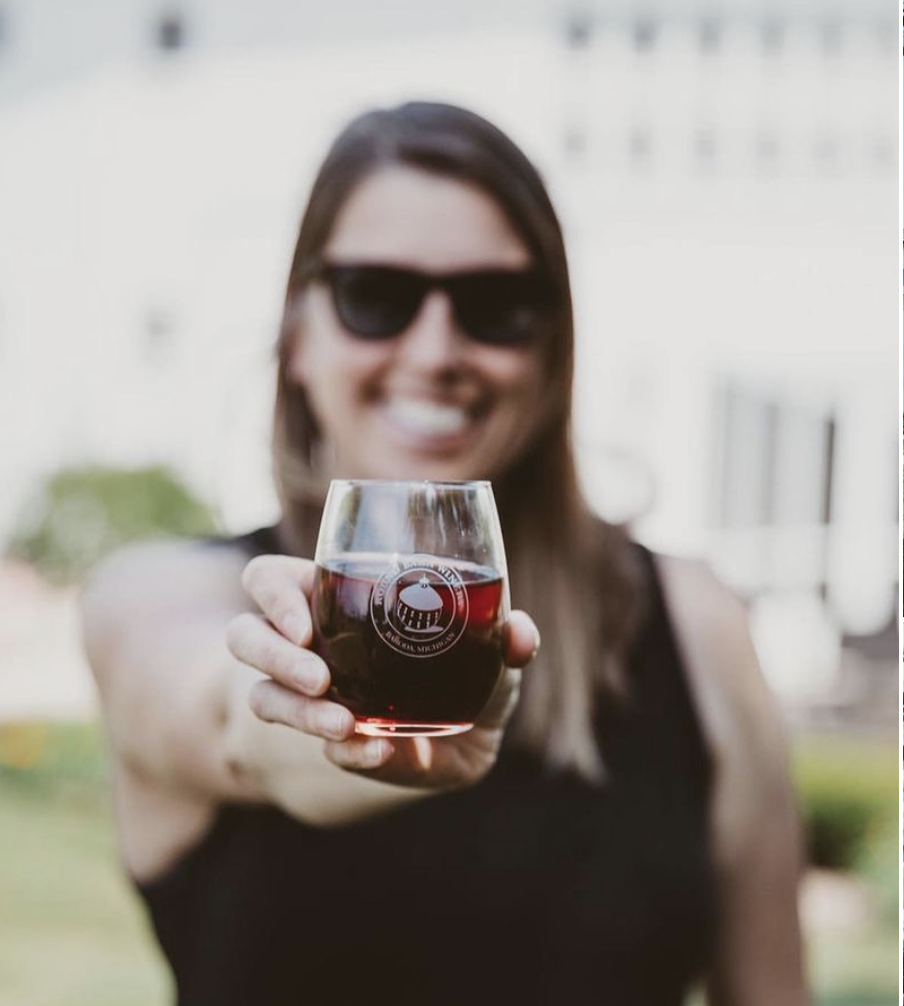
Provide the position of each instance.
(529, 888)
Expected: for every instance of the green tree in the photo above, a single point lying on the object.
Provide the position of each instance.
(82, 513)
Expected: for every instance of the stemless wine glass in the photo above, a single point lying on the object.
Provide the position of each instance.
(410, 599)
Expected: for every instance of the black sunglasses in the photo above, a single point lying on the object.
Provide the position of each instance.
(496, 307)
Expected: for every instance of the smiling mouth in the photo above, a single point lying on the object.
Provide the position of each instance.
(420, 417)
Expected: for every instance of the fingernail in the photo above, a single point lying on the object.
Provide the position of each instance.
(536, 643)
(374, 753)
(299, 629)
(311, 677)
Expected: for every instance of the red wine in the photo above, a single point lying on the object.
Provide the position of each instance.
(412, 642)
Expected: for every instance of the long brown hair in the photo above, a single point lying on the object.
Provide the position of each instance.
(575, 574)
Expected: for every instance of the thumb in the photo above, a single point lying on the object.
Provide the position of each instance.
(521, 639)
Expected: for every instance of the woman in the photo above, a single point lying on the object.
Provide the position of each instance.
(618, 833)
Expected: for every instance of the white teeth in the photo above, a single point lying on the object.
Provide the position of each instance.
(431, 418)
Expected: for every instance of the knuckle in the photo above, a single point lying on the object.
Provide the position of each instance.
(268, 656)
(233, 636)
(259, 701)
(341, 754)
(280, 661)
(281, 611)
(292, 618)
(304, 716)
(238, 629)
(273, 703)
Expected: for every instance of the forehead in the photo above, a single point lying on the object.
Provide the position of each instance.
(410, 217)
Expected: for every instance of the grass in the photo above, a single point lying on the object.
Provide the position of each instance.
(856, 969)
(74, 934)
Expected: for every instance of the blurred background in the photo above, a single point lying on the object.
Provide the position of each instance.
(727, 176)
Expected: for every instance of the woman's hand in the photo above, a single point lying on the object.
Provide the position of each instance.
(276, 642)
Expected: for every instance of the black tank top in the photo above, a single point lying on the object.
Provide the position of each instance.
(531, 888)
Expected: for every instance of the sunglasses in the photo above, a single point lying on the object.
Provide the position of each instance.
(495, 307)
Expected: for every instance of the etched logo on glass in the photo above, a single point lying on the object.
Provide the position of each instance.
(419, 606)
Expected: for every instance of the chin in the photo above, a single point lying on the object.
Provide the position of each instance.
(435, 469)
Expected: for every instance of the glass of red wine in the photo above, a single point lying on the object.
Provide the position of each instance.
(410, 599)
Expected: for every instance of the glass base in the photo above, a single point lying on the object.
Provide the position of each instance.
(373, 727)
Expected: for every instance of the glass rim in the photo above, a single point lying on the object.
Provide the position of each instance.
(451, 483)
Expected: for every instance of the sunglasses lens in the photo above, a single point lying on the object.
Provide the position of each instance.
(500, 308)
(375, 302)
(495, 307)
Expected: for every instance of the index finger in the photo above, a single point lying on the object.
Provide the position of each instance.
(281, 586)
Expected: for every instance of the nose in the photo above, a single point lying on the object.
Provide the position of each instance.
(433, 342)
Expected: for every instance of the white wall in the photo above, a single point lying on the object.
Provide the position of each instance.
(145, 193)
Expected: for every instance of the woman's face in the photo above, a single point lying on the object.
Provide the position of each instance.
(429, 402)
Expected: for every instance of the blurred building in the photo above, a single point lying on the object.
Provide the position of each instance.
(727, 177)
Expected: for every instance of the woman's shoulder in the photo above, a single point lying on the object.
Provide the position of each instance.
(697, 596)
(176, 564)
(740, 716)
(158, 577)
(710, 624)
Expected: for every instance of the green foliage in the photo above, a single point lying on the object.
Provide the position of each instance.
(81, 514)
(877, 862)
(64, 897)
(848, 790)
(53, 761)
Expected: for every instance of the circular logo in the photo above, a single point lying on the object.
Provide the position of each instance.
(419, 606)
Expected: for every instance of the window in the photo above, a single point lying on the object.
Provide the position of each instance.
(767, 150)
(709, 34)
(826, 151)
(774, 465)
(644, 34)
(640, 145)
(772, 35)
(170, 32)
(884, 153)
(575, 142)
(158, 332)
(705, 147)
(830, 37)
(578, 30)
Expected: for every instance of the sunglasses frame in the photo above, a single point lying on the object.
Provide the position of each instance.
(539, 301)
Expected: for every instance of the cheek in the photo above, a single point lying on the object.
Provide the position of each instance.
(515, 376)
(296, 367)
(312, 339)
(330, 366)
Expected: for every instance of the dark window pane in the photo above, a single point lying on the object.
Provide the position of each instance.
(767, 149)
(772, 33)
(826, 150)
(884, 153)
(709, 34)
(159, 331)
(640, 145)
(578, 29)
(170, 32)
(575, 142)
(644, 34)
(830, 37)
(705, 149)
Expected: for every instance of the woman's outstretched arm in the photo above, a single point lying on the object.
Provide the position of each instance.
(210, 695)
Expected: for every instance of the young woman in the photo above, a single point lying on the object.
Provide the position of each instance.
(617, 827)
